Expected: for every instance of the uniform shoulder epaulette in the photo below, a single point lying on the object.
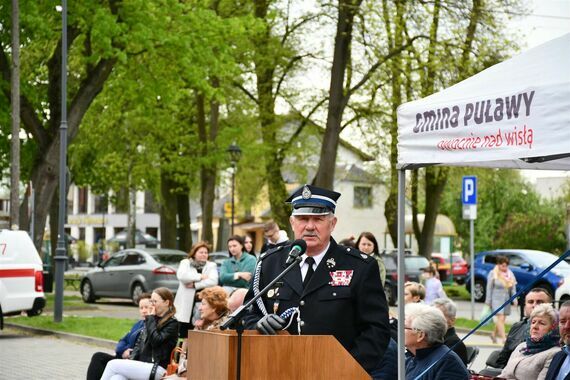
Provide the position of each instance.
(270, 252)
(356, 253)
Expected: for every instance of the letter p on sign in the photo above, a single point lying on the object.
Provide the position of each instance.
(469, 193)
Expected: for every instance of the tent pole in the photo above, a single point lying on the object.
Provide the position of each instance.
(401, 272)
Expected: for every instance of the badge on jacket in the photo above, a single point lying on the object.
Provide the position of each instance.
(341, 277)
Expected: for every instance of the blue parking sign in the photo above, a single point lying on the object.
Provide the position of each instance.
(469, 191)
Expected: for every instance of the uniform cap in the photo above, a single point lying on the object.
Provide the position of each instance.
(312, 200)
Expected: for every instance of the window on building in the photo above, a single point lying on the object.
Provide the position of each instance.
(101, 202)
(121, 201)
(150, 205)
(362, 197)
(82, 200)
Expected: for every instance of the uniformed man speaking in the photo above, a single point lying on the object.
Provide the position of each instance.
(334, 290)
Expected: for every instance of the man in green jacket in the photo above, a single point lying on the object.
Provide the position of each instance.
(237, 271)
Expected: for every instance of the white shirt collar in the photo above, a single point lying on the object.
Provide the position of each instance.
(318, 258)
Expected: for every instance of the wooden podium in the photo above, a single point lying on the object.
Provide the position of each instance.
(213, 355)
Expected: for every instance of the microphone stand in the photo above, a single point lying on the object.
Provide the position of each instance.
(236, 318)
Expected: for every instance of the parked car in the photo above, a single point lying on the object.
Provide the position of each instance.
(141, 238)
(460, 267)
(131, 272)
(218, 257)
(562, 294)
(526, 265)
(414, 266)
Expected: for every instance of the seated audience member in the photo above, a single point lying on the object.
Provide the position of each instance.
(531, 359)
(151, 353)
(498, 359)
(414, 292)
(194, 273)
(425, 328)
(560, 366)
(237, 271)
(100, 359)
(236, 299)
(214, 312)
(451, 340)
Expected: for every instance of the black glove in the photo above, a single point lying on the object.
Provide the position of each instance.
(270, 323)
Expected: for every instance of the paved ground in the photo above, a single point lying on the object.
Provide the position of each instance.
(42, 357)
(48, 357)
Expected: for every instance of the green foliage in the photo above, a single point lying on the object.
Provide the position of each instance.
(541, 229)
(509, 212)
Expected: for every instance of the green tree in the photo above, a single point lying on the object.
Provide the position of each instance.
(448, 47)
(501, 193)
(100, 36)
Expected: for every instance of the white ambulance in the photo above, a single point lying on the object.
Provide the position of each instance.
(21, 276)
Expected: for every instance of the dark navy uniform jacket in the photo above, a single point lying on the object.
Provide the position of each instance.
(356, 314)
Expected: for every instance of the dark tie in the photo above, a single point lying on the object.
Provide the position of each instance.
(309, 261)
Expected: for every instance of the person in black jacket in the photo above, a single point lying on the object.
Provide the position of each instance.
(560, 365)
(338, 294)
(498, 359)
(151, 354)
(125, 345)
(451, 340)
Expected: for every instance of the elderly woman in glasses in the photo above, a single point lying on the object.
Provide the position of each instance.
(425, 328)
(531, 359)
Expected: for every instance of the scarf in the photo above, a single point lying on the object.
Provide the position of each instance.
(198, 265)
(549, 340)
(507, 278)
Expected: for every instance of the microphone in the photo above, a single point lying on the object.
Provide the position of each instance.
(298, 247)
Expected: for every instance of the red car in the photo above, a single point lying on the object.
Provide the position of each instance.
(460, 267)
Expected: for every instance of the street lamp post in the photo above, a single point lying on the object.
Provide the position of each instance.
(61, 251)
(235, 154)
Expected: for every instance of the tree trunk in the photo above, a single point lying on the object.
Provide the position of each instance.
(168, 206)
(184, 231)
(15, 100)
(338, 99)
(264, 72)
(394, 41)
(207, 170)
(132, 218)
(435, 180)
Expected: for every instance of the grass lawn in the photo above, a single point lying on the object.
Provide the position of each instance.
(457, 292)
(69, 303)
(470, 324)
(98, 327)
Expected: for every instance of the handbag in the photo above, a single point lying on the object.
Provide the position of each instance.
(484, 314)
(172, 366)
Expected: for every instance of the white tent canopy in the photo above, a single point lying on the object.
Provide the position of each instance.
(515, 114)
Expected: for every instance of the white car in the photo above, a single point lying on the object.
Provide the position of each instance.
(21, 275)
(562, 294)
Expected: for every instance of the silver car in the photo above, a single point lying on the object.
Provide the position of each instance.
(131, 272)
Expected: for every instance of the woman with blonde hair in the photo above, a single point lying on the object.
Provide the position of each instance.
(194, 274)
(531, 359)
(151, 353)
(501, 285)
(214, 311)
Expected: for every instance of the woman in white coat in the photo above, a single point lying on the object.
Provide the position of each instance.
(194, 274)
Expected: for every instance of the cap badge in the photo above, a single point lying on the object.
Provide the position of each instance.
(331, 263)
(306, 192)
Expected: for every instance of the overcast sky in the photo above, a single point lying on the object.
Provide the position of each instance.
(549, 19)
